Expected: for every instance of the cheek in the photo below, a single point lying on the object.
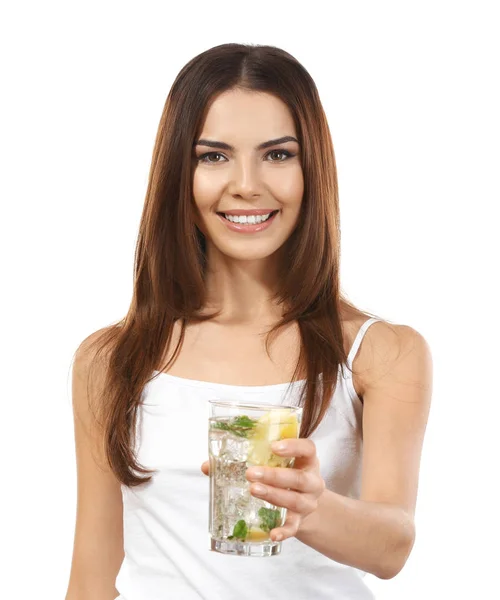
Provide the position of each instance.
(206, 190)
(201, 201)
(290, 189)
(204, 199)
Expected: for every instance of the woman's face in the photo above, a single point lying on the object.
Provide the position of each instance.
(243, 179)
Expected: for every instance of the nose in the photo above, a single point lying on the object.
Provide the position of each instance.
(244, 180)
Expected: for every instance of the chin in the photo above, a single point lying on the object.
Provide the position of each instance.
(246, 251)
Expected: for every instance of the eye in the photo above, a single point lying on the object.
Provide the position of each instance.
(203, 157)
(284, 152)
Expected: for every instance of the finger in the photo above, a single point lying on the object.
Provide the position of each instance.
(307, 482)
(205, 468)
(295, 501)
(288, 529)
(302, 449)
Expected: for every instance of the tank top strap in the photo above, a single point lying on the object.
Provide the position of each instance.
(359, 338)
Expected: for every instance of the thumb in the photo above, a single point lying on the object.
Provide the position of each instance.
(205, 467)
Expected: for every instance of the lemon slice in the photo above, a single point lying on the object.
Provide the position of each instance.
(290, 428)
(274, 425)
(255, 534)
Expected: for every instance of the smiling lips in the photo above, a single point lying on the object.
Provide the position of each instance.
(248, 221)
(242, 212)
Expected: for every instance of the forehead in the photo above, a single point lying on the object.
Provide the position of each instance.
(251, 115)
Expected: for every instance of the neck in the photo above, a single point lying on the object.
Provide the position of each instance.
(242, 290)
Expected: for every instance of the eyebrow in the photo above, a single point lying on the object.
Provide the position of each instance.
(224, 146)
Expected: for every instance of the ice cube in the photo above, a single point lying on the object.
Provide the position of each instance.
(237, 501)
(235, 447)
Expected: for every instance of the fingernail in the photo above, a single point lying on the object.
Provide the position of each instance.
(259, 489)
(278, 446)
(278, 537)
(257, 474)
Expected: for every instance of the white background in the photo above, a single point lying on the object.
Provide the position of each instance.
(410, 91)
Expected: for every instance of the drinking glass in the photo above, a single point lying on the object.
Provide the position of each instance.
(239, 437)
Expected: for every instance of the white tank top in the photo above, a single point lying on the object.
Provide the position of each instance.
(165, 522)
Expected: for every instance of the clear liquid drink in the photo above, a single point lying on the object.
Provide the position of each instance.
(240, 436)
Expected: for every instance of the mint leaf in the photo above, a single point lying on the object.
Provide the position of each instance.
(240, 426)
(244, 421)
(240, 530)
(268, 518)
(221, 425)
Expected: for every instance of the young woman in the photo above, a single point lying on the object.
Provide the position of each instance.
(237, 295)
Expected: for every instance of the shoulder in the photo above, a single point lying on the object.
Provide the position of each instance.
(390, 351)
(90, 367)
(87, 348)
(91, 349)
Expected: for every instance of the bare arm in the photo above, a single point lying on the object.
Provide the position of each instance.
(374, 537)
(376, 533)
(98, 542)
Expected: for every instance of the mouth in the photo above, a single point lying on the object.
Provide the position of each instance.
(248, 218)
(248, 223)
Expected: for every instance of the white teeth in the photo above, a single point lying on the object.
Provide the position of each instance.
(252, 219)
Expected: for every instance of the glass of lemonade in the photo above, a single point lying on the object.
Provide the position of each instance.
(239, 437)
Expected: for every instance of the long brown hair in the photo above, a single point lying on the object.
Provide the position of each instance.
(170, 258)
